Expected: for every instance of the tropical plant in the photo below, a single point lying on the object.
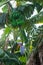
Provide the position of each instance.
(21, 23)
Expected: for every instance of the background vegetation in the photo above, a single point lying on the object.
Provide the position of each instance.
(26, 35)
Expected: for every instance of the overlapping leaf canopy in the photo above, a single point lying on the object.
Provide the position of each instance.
(20, 22)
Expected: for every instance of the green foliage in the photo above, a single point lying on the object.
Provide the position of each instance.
(5, 9)
(20, 22)
(1, 53)
(23, 35)
(7, 30)
(16, 19)
(34, 1)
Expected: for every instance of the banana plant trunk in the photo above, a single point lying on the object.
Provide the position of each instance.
(37, 57)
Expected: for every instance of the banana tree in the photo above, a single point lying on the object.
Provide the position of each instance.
(20, 22)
